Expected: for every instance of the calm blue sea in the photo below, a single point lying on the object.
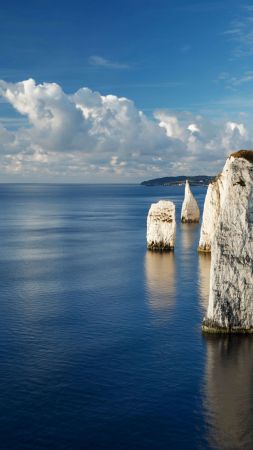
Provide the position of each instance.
(100, 340)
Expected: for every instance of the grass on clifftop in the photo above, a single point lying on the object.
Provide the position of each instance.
(246, 154)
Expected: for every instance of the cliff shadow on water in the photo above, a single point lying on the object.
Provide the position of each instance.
(228, 391)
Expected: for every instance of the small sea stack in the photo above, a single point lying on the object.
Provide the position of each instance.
(210, 213)
(230, 307)
(190, 209)
(161, 226)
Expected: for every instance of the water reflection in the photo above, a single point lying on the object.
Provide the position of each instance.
(229, 392)
(188, 232)
(204, 260)
(160, 278)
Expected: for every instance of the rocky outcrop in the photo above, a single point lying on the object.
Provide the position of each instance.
(230, 307)
(161, 226)
(190, 209)
(210, 214)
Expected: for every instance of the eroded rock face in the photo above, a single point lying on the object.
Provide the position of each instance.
(210, 213)
(190, 209)
(161, 226)
(230, 307)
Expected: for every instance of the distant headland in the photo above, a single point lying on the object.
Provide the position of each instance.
(198, 180)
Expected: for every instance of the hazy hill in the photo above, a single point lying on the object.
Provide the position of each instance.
(198, 180)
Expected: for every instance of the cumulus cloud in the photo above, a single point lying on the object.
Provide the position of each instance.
(89, 136)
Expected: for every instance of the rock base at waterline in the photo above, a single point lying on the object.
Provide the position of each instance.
(204, 248)
(185, 220)
(210, 327)
(160, 247)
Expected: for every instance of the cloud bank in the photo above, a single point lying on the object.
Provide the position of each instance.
(87, 136)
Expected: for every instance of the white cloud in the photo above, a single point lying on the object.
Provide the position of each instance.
(207, 141)
(87, 136)
(99, 61)
(232, 127)
(240, 33)
(237, 134)
(193, 128)
(236, 81)
(170, 124)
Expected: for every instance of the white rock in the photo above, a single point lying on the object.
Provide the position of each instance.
(161, 226)
(210, 213)
(230, 305)
(190, 209)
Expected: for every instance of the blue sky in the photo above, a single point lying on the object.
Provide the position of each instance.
(181, 63)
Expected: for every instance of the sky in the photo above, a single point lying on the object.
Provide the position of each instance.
(123, 91)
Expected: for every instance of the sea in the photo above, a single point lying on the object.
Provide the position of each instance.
(100, 340)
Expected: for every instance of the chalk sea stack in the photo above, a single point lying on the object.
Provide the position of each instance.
(190, 209)
(210, 213)
(161, 226)
(230, 307)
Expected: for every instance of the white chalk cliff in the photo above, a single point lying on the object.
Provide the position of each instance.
(190, 209)
(210, 213)
(230, 307)
(161, 226)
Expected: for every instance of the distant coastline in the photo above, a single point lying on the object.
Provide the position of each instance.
(198, 180)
